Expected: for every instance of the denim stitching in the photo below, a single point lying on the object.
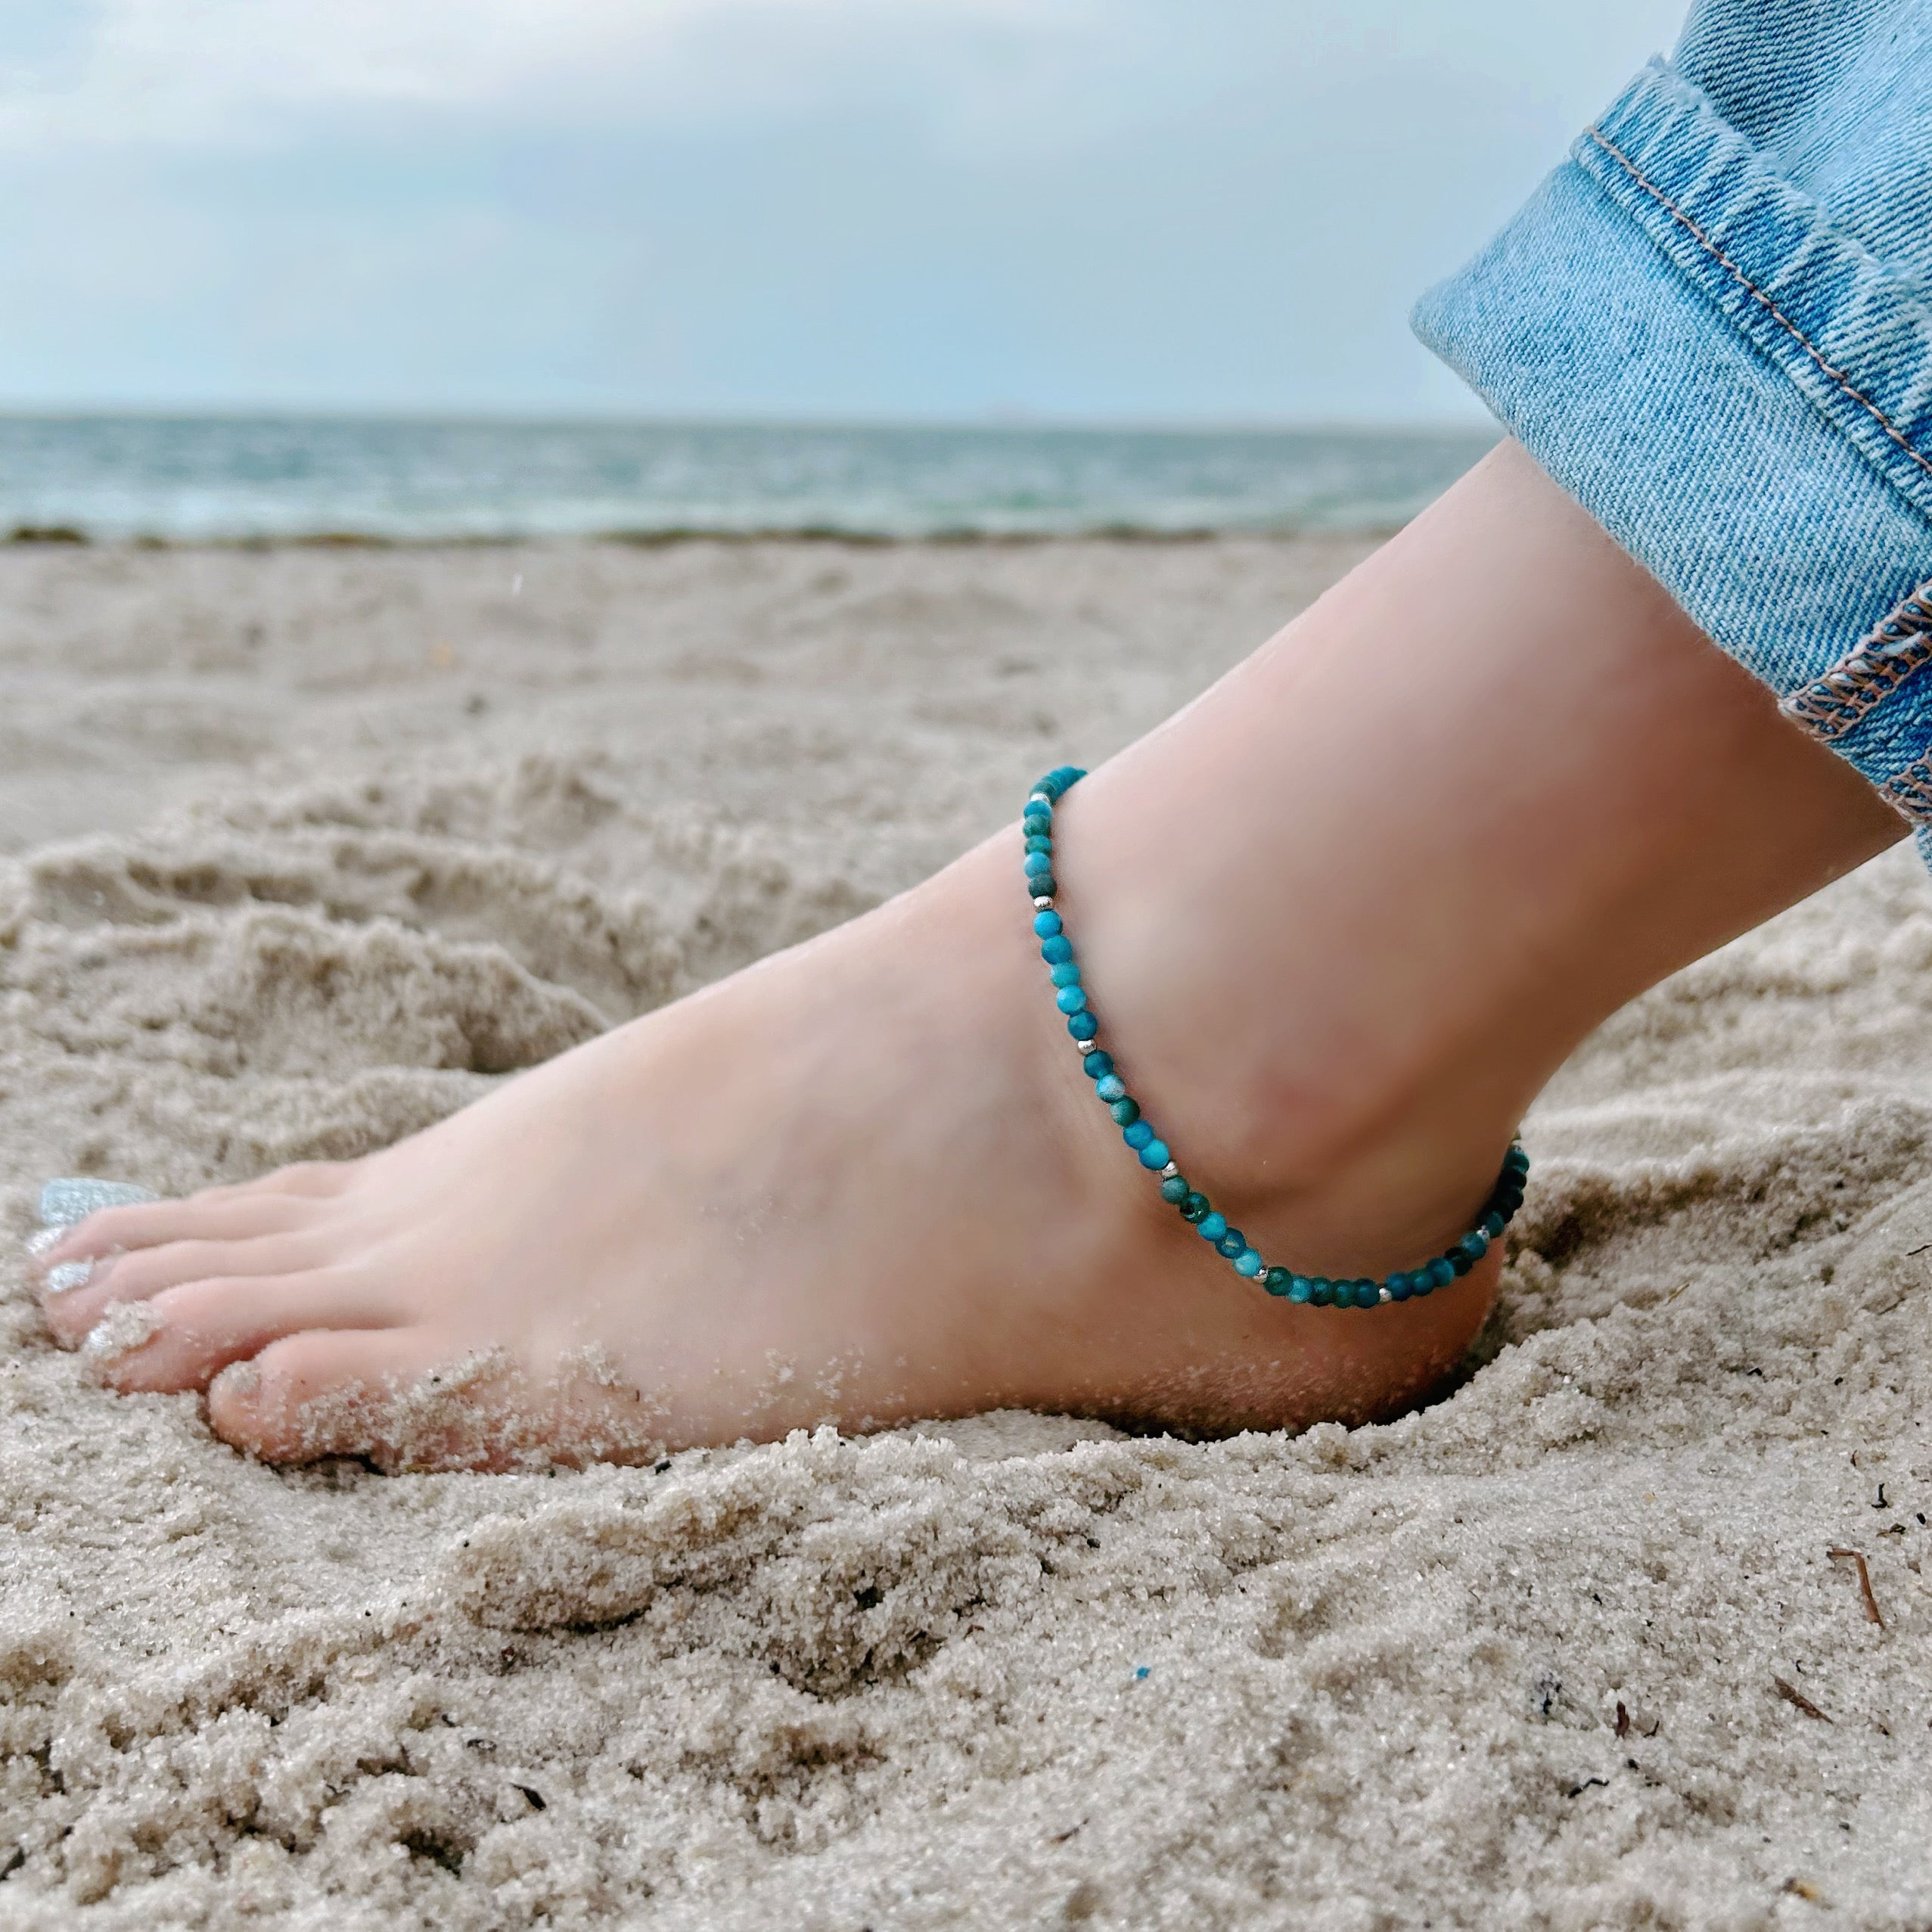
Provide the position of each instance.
(1744, 281)
(1910, 791)
(1868, 673)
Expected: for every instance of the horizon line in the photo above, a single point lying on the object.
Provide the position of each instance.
(991, 422)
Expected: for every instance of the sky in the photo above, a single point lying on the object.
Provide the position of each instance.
(1092, 210)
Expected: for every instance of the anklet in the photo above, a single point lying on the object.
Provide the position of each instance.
(1071, 997)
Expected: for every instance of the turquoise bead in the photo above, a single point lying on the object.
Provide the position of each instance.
(1475, 1244)
(1039, 843)
(1318, 1287)
(1421, 1282)
(1400, 1287)
(1300, 1288)
(1154, 1155)
(1175, 1189)
(1458, 1261)
(1042, 885)
(1247, 1262)
(1126, 1110)
(1440, 1273)
(1194, 1209)
(1110, 1087)
(1056, 951)
(1066, 973)
(1038, 864)
(1276, 1281)
(1492, 1225)
(1368, 1293)
(1082, 1026)
(1231, 1243)
(1213, 1227)
(1096, 1065)
(1136, 1133)
(1046, 923)
(1036, 821)
(1517, 1158)
(1071, 999)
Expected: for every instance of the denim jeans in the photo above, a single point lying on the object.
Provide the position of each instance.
(1713, 326)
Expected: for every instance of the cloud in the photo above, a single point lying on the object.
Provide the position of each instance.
(202, 74)
(1102, 207)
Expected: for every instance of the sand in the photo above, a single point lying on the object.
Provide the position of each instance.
(299, 849)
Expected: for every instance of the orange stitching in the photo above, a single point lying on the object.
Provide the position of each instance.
(1911, 790)
(1867, 674)
(1757, 294)
(1841, 698)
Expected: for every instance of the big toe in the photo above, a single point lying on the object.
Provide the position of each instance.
(405, 1398)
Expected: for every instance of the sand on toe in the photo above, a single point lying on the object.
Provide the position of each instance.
(300, 849)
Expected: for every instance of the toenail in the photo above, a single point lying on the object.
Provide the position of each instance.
(43, 1239)
(239, 1378)
(69, 1275)
(65, 1203)
(126, 1326)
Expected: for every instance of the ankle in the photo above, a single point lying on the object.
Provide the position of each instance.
(1336, 1165)
(1345, 915)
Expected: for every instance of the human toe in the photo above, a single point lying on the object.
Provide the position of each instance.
(354, 1392)
(221, 1214)
(197, 1329)
(76, 1294)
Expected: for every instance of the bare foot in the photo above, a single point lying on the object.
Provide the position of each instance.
(866, 1180)
(1341, 919)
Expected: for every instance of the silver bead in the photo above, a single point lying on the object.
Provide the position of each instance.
(1383, 1294)
(1043, 905)
(1173, 1168)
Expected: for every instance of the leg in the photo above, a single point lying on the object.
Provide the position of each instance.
(1343, 916)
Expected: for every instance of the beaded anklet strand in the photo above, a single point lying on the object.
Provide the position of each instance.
(1071, 997)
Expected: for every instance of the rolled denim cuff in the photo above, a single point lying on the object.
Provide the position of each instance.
(1741, 392)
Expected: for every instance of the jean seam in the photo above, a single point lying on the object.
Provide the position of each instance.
(1836, 376)
(1830, 704)
(1908, 792)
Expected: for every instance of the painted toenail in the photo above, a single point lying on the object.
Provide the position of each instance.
(69, 1275)
(126, 1326)
(63, 1203)
(39, 1242)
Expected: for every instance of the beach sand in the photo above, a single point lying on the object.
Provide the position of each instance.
(301, 849)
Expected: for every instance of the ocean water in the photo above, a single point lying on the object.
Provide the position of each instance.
(186, 478)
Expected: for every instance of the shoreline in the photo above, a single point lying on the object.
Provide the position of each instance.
(66, 536)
